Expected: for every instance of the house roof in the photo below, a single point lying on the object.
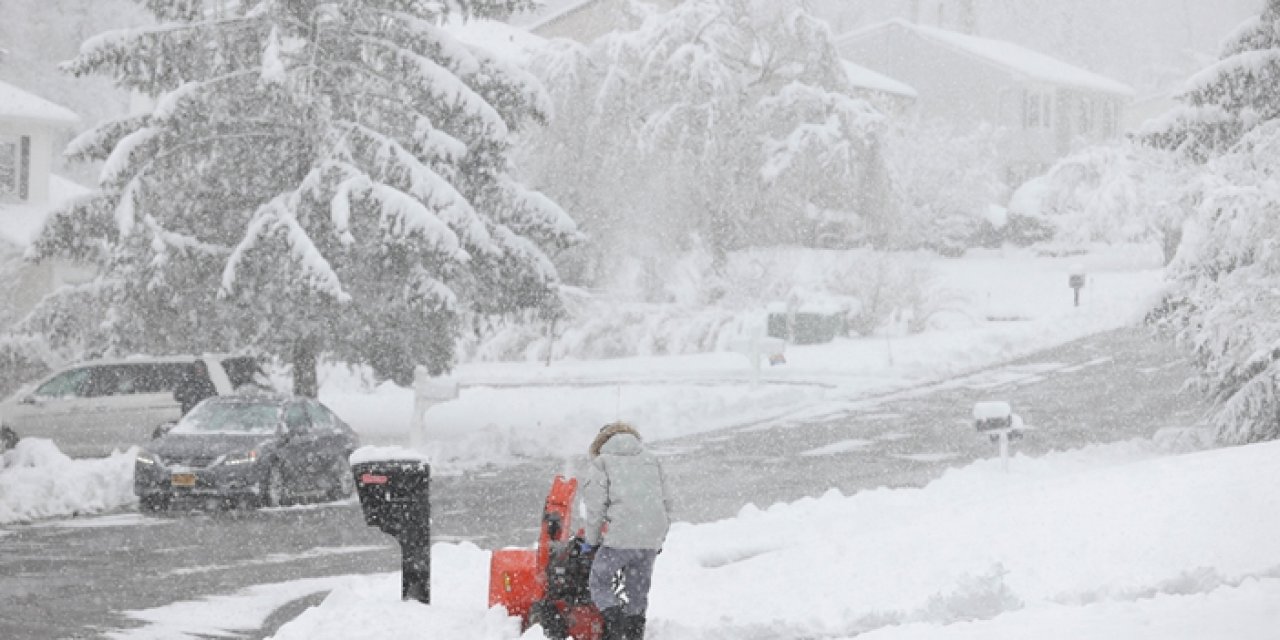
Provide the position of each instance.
(1016, 58)
(865, 78)
(23, 105)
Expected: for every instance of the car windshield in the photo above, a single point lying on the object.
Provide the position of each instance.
(231, 417)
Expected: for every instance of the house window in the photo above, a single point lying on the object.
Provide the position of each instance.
(1037, 110)
(15, 166)
(1109, 117)
(1086, 115)
(8, 166)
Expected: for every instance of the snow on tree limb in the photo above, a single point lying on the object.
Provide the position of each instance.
(98, 142)
(273, 70)
(396, 165)
(442, 85)
(277, 216)
(121, 162)
(166, 239)
(403, 215)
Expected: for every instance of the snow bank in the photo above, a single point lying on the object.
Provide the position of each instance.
(1110, 541)
(39, 481)
(370, 606)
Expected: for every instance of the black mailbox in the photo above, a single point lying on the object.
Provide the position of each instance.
(395, 496)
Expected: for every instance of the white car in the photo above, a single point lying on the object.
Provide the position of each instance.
(93, 408)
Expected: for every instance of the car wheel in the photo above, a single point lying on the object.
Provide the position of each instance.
(271, 491)
(8, 439)
(163, 428)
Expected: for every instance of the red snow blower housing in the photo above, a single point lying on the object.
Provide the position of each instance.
(548, 585)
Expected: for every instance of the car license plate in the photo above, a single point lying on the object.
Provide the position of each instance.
(184, 479)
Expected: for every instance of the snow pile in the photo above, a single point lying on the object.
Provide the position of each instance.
(1109, 541)
(39, 481)
(370, 606)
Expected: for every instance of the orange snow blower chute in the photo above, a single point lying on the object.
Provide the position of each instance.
(547, 585)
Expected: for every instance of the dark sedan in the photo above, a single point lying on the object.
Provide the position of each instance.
(258, 450)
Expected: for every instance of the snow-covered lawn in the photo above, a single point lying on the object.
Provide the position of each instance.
(511, 410)
(1114, 541)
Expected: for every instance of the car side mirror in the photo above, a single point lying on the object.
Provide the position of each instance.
(161, 430)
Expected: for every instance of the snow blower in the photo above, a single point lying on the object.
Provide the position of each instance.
(547, 585)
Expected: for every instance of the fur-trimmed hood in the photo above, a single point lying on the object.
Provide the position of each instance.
(609, 431)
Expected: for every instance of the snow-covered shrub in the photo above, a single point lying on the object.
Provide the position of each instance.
(944, 182)
(873, 291)
(1117, 193)
(890, 289)
(603, 328)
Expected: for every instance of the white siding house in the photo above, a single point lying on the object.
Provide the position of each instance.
(1047, 107)
(29, 126)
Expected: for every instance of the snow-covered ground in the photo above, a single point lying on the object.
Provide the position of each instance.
(507, 412)
(1126, 540)
(1115, 541)
(512, 410)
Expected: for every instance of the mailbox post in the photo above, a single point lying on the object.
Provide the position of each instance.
(756, 348)
(395, 495)
(997, 419)
(1076, 281)
(427, 393)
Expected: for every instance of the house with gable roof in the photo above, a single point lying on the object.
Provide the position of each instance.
(1047, 107)
(29, 128)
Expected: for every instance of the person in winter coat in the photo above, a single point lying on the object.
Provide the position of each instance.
(628, 512)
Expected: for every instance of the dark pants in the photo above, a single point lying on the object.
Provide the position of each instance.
(637, 575)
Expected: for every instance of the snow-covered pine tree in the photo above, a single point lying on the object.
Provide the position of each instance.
(1224, 302)
(1224, 101)
(728, 120)
(316, 177)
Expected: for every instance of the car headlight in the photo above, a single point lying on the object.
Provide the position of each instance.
(148, 458)
(248, 457)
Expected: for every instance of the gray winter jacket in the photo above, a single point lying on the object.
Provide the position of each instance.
(625, 495)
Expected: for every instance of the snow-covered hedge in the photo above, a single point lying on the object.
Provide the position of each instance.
(704, 309)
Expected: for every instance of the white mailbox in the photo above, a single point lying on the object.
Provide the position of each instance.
(997, 420)
(992, 416)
